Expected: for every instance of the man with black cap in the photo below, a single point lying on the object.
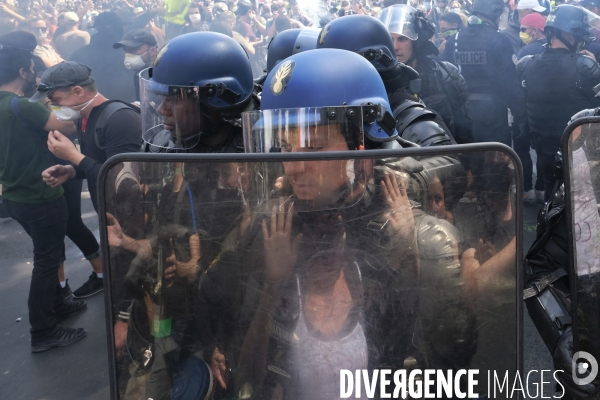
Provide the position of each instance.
(140, 52)
(105, 128)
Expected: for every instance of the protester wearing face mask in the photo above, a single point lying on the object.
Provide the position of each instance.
(39, 209)
(73, 95)
(44, 49)
(532, 34)
(194, 21)
(449, 24)
(140, 52)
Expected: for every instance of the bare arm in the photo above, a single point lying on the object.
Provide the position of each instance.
(54, 124)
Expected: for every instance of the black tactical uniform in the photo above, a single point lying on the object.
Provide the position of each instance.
(484, 57)
(558, 83)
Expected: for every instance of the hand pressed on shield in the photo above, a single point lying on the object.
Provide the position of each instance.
(401, 218)
(184, 269)
(218, 366)
(114, 231)
(280, 249)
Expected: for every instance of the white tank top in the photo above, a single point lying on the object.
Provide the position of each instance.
(316, 363)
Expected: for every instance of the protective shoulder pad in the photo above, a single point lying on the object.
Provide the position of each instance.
(522, 64)
(450, 69)
(426, 132)
(588, 69)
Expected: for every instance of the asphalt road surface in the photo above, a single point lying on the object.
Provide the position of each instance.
(80, 371)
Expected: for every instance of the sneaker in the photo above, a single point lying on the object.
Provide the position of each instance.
(539, 194)
(60, 337)
(66, 291)
(69, 309)
(529, 197)
(91, 287)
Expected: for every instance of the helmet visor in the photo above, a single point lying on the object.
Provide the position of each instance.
(171, 115)
(399, 20)
(305, 129)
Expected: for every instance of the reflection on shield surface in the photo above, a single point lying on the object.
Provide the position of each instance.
(582, 184)
(261, 276)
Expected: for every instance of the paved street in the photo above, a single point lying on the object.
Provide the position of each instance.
(80, 371)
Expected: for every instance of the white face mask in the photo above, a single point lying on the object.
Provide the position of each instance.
(66, 113)
(134, 61)
(195, 18)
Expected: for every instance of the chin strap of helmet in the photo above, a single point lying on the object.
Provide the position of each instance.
(572, 47)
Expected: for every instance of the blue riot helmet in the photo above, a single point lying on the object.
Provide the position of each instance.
(290, 42)
(370, 38)
(571, 20)
(197, 81)
(320, 99)
(361, 34)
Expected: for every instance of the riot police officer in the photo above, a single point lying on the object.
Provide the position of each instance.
(558, 83)
(442, 87)
(549, 284)
(485, 58)
(190, 101)
(370, 38)
(328, 211)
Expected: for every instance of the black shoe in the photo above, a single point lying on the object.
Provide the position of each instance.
(66, 291)
(60, 337)
(92, 286)
(69, 309)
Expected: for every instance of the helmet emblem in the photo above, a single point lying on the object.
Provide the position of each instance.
(282, 77)
(161, 53)
(323, 33)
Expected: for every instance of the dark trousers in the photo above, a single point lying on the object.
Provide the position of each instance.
(546, 149)
(46, 224)
(522, 145)
(490, 121)
(80, 234)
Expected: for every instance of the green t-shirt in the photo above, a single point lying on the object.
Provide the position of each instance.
(24, 154)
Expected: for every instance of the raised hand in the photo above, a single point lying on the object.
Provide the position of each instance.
(280, 249)
(401, 218)
(184, 269)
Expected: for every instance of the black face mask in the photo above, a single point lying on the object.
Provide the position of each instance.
(29, 87)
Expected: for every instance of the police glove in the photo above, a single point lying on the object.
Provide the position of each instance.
(563, 365)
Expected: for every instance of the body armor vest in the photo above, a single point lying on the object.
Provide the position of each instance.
(554, 94)
(471, 56)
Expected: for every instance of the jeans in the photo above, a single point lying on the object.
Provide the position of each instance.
(83, 238)
(46, 224)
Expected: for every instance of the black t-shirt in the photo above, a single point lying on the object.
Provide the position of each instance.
(122, 133)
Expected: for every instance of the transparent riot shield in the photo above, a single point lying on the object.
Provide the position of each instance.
(319, 275)
(581, 158)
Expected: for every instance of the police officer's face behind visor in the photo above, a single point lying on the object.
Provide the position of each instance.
(181, 115)
(403, 47)
(315, 180)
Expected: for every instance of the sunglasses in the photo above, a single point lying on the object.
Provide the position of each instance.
(41, 29)
(42, 87)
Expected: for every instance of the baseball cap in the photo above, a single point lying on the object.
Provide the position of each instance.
(136, 38)
(535, 20)
(107, 20)
(64, 74)
(138, 10)
(530, 5)
(70, 17)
